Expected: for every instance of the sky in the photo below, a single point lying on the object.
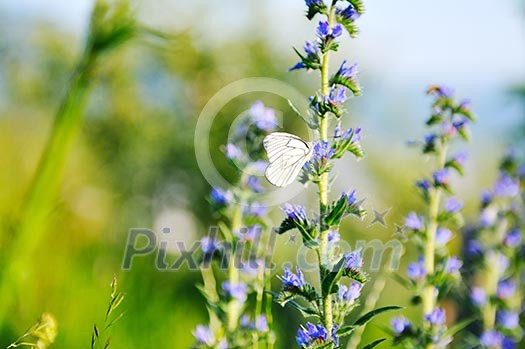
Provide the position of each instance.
(476, 46)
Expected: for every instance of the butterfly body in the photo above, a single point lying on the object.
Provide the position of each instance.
(287, 155)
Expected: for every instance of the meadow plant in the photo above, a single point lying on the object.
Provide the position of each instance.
(41, 335)
(435, 272)
(241, 247)
(495, 250)
(340, 274)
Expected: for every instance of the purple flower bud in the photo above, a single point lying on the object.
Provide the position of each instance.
(508, 319)
(204, 335)
(506, 187)
(239, 291)
(323, 29)
(254, 209)
(349, 13)
(311, 334)
(414, 222)
(233, 152)
(353, 260)
(513, 238)
(311, 48)
(349, 294)
(296, 213)
(254, 183)
(436, 317)
(261, 323)
(443, 235)
(337, 31)
(263, 118)
(506, 289)
(333, 236)
(347, 72)
(460, 158)
(351, 197)
(474, 248)
(453, 205)
(478, 296)
(310, 3)
(443, 91)
(423, 184)
(459, 123)
(209, 245)
(298, 66)
(336, 96)
(323, 151)
(491, 339)
(441, 176)
(416, 270)
(453, 265)
(291, 280)
(221, 197)
(400, 324)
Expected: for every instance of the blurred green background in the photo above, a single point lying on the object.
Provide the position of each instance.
(133, 162)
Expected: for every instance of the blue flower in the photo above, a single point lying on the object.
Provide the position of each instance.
(506, 187)
(400, 324)
(347, 72)
(203, 334)
(311, 48)
(291, 280)
(298, 66)
(337, 30)
(459, 123)
(261, 323)
(453, 205)
(460, 158)
(508, 319)
(254, 183)
(443, 235)
(351, 197)
(491, 339)
(453, 265)
(508, 343)
(417, 270)
(323, 151)
(310, 3)
(474, 248)
(441, 176)
(513, 238)
(337, 95)
(221, 197)
(311, 334)
(344, 136)
(442, 91)
(353, 260)
(436, 317)
(323, 29)
(333, 236)
(251, 233)
(414, 222)
(478, 296)
(264, 118)
(506, 289)
(430, 142)
(233, 152)
(239, 291)
(349, 13)
(349, 294)
(254, 209)
(423, 184)
(296, 213)
(209, 245)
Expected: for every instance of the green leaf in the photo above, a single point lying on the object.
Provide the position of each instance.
(374, 344)
(312, 121)
(333, 277)
(372, 314)
(345, 331)
(451, 331)
(305, 311)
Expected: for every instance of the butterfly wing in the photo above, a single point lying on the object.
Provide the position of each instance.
(287, 154)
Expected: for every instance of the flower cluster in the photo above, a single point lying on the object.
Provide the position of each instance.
(241, 227)
(341, 275)
(496, 249)
(435, 272)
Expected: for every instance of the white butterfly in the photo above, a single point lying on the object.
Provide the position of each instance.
(287, 154)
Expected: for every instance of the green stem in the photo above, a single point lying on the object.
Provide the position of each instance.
(323, 188)
(233, 273)
(429, 298)
(41, 196)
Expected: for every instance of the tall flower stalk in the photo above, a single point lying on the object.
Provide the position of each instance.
(241, 248)
(436, 272)
(335, 299)
(496, 250)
